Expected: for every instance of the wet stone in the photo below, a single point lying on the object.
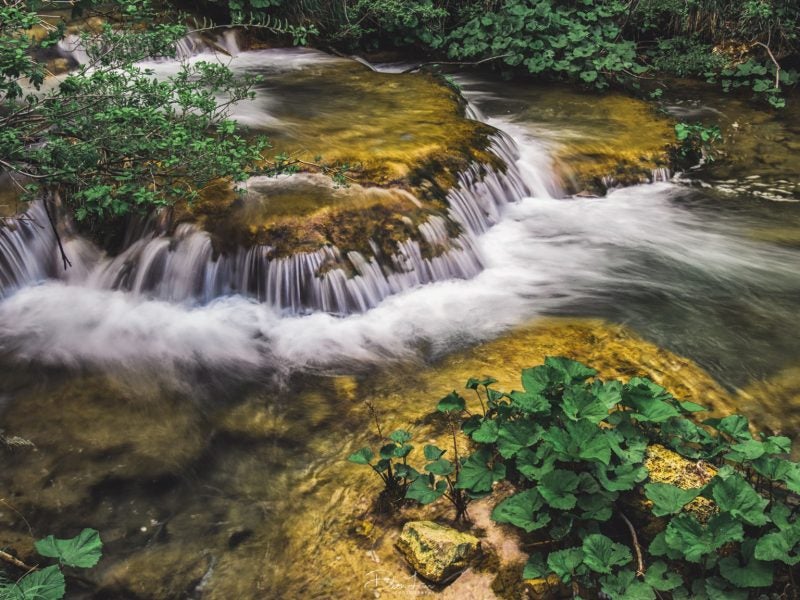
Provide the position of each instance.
(436, 552)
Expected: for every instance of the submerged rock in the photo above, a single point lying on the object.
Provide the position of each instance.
(435, 551)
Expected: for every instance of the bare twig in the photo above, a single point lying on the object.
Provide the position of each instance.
(774, 61)
(64, 258)
(6, 557)
(637, 548)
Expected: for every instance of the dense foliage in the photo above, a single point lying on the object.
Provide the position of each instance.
(743, 45)
(82, 551)
(575, 448)
(111, 137)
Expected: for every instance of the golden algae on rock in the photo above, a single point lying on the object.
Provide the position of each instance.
(666, 466)
(435, 551)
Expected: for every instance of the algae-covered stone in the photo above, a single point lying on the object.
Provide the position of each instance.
(667, 466)
(435, 551)
(549, 588)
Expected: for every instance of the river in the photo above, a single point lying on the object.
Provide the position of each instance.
(200, 420)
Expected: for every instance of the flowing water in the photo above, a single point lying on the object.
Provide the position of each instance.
(195, 404)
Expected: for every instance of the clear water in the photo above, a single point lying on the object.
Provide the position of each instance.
(206, 441)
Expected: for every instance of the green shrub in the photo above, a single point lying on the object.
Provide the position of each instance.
(696, 143)
(574, 447)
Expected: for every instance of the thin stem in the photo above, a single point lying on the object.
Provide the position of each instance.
(640, 569)
(6, 557)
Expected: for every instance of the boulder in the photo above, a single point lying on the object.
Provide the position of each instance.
(437, 552)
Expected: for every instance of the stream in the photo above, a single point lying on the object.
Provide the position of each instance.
(196, 405)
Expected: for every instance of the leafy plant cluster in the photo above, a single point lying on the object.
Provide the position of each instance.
(575, 447)
(696, 143)
(573, 40)
(48, 583)
(112, 138)
(742, 45)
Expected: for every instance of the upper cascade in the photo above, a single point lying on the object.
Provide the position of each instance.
(184, 266)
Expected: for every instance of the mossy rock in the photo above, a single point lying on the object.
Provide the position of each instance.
(667, 466)
(437, 552)
(549, 588)
(404, 137)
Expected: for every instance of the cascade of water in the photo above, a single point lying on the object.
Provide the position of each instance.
(183, 265)
(26, 249)
(661, 174)
(72, 47)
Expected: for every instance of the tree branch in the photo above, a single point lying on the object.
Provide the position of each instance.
(6, 557)
(774, 61)
(64, 258)
(640, 569)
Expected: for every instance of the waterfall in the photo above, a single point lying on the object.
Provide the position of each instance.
(27, 249)
(184, 267)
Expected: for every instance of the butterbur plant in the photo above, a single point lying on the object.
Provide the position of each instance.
(48, 583)
(391, 464)
(575, 450)
(696, 143)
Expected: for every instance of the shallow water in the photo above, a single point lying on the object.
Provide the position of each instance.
(206, 440)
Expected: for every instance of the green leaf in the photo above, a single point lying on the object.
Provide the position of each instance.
(659, 578)
(737, 497)
(669, 499)
(571, 371)
(402, 471)
(400, 436)
(440, 467)
(564, 563)
(716, 588)
(362, 457)
(473, 383)
(578, 403)
(84, 550)
(691, 407)
(487, 432)
(479, 472)
(522, 510)
(421, 490)
(601, 554)
(535, 465)
(659, 547)
(516, 435)
(402, 451)
(44, 584)
(778, 545)
(451, 403)
(433, 452)
(686, 535)
(775, 444)
(608, 393)
(749, 450)
(539, 379)
(530, 402)
(625, 477)
(557, 489)
(597, 505)
(624, 586)
(648, 400)
(535, 568)
(736, 426)
(753, 573)
(388, 450)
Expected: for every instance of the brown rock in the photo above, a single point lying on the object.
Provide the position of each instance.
(435, 551)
